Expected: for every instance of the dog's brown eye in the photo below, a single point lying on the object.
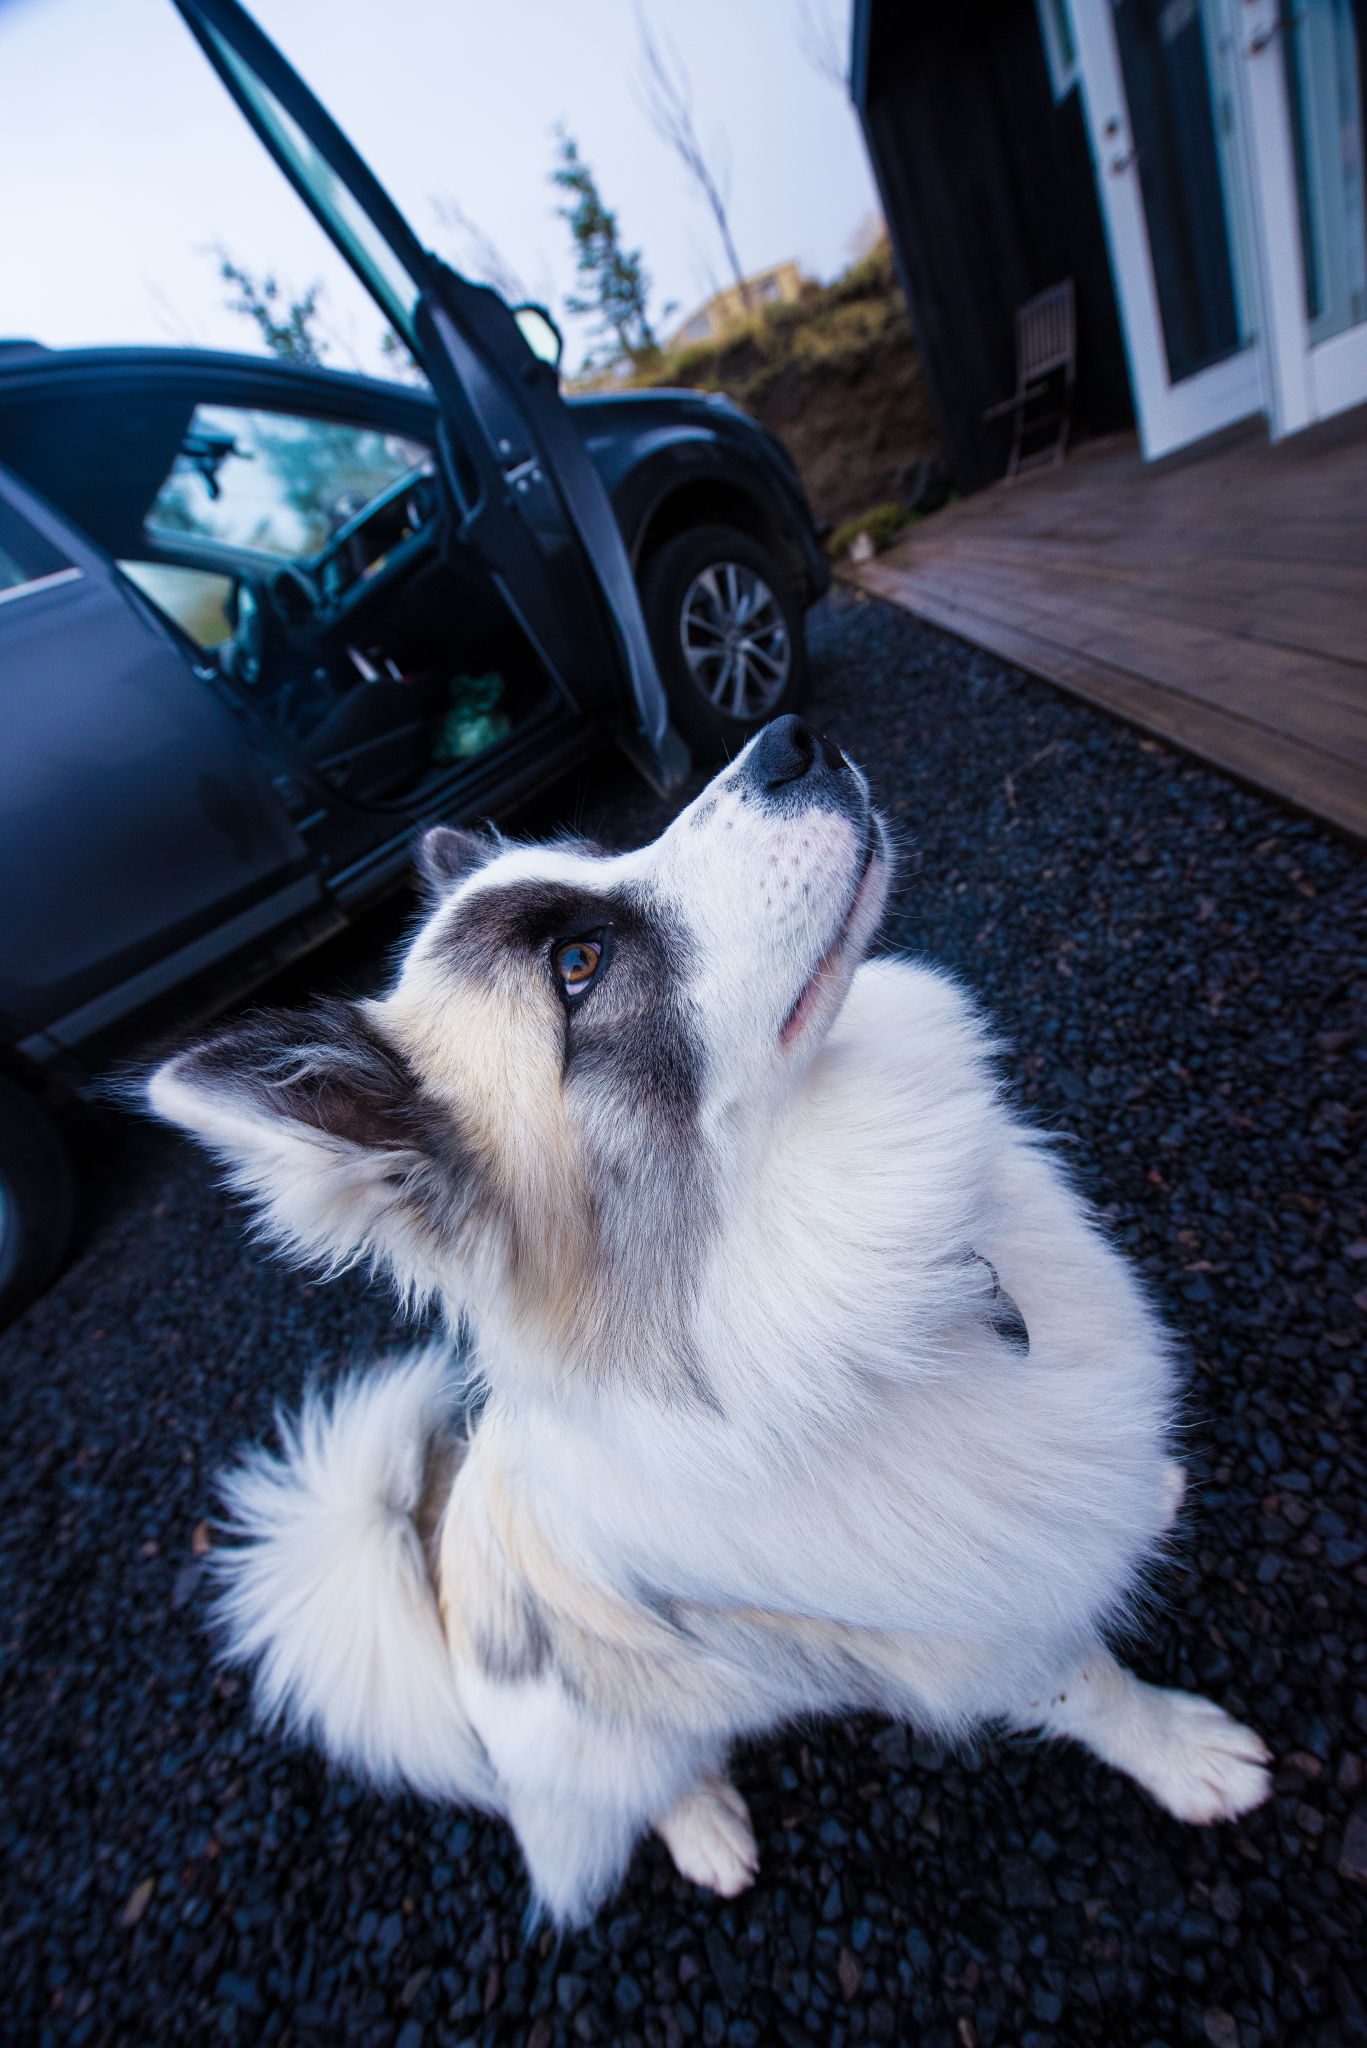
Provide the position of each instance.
(577, 962)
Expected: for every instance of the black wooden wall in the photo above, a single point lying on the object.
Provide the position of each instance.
(988, 190)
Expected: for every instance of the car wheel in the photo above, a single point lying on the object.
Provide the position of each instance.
(37, 1199)
(726, 627)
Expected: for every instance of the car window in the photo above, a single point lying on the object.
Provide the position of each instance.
(28, 560)
(366, 246)
(277, 483)
(197, 599)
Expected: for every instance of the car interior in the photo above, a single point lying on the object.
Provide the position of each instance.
(306, 558)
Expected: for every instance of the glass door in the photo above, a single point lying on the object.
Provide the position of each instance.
(1228, 144)
(1162, 102)
(1322, 56)
(1323, 65)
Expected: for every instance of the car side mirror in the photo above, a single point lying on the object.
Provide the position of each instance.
(540, 333)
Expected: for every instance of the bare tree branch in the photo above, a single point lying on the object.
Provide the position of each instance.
(172, 320)
(287, 326)
(666, 98)
(485, 260)
(823, 43)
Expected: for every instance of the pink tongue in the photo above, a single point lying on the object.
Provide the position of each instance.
(801, 1009)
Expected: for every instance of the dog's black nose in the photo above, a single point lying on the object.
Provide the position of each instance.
(789, 751)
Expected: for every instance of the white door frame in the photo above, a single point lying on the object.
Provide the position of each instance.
(1307, 382)
(1279, 373)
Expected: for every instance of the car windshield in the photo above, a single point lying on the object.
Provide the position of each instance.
(275, 483)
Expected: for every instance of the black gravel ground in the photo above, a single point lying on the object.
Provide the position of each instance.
(1180, 970)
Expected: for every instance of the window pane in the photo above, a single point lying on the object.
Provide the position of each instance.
(1175, 63)
(1059, 48)
(354, 232)
(1322, 54)
(195, 598)
(275, 483)
(26, 558)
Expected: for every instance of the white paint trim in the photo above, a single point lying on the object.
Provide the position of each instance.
(37, 583)
(1204, 403)
(1338, 372)
(1113, 167)
(1272, 170)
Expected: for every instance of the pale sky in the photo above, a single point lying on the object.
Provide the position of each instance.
(123, 162)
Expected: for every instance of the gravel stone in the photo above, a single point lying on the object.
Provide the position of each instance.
(729, 1974)
(1178, 974)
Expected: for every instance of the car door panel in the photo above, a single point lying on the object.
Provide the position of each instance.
(473, 325)
(136, 816)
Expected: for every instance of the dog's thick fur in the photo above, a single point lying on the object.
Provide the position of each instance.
(809, 1384)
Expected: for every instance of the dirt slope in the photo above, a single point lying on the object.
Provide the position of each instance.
(836, 375)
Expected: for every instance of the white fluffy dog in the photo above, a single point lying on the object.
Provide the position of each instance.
(810, 1386)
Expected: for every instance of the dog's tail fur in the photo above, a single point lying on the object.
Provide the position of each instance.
(328, 1590)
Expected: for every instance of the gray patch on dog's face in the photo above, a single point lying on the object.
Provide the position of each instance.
(624, 1097)
(632, 1036)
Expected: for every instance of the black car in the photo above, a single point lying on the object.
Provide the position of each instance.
(260, 622)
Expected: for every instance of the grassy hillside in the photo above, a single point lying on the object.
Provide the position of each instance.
(836, 376)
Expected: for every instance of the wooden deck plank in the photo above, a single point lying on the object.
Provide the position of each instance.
(1302, 695)
(1277, 613)
(1318, 542)
(1220, 602)
(1222, 577)
(1305, 775)
(1258, 507)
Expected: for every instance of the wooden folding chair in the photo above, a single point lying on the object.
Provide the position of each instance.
(1046, 343)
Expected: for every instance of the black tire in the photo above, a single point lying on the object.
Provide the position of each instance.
(37, 1199)
(706, 584)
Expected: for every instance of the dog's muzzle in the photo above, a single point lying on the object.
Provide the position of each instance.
(792, 768)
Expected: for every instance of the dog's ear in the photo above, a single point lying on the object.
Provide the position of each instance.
(323, 1124)
(444, 857)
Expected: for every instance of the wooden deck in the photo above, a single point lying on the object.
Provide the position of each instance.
(1219, 600)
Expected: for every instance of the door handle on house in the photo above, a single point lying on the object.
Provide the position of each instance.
(1287, 17)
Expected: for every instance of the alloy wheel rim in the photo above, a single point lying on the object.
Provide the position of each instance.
(735, 640)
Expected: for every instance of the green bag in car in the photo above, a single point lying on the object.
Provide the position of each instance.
(475, 718)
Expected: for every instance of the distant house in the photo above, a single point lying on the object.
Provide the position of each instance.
(728, 309)
(1196, 166)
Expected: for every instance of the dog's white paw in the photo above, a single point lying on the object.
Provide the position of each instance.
(1174, 1490)
(1202, 1765)
(708, 1833)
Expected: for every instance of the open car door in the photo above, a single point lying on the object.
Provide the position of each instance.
(520, 475)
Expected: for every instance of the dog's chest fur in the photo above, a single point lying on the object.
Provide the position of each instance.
(857, 1459)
